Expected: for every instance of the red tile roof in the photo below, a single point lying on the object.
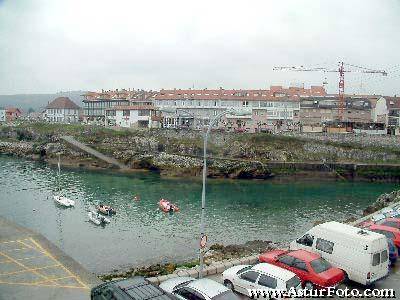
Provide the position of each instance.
(275, 93)
(393, 102)
(62, 102)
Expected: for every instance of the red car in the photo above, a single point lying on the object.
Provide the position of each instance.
(311, 268)
(391, 222)
(390, 232)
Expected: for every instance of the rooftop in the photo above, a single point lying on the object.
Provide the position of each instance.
(62, 102)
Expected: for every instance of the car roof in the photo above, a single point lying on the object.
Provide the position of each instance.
(384, 228)
(304, 255)
(208, 287)
(139, 288)
(273, 270)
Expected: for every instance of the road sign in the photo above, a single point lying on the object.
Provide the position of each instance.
(203, 241)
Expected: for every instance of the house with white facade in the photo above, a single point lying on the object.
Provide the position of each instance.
(273, 109)
(62, 110)
(136, 115)
(2, 114)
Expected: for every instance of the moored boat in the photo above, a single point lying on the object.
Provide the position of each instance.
(64, 201)
(97, 218)
(167, 206)
(106, 210)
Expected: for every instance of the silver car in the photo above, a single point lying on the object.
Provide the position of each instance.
(187, 288)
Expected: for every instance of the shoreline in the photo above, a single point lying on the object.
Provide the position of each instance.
(94, 165)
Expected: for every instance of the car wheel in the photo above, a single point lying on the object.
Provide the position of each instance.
(229, 285)
(309, 286)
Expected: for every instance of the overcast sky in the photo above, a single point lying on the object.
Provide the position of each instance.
(53, 45)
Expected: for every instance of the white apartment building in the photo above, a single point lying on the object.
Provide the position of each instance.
(62, 110)
(271, 109)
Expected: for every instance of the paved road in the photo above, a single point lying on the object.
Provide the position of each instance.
(91, 151)
(391, 282)
(33, 268)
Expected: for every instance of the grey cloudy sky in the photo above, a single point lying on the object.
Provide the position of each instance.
(55, 45)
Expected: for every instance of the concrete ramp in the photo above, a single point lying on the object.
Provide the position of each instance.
(72, 141)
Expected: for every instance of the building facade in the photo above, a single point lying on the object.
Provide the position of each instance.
(96, 104)
(393, 107)
(62, 110)
(2, 114)
(274, 109)
(13, 113)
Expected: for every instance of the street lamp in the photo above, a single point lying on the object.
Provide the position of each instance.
(203, 193)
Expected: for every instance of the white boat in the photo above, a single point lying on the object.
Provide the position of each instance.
(64, 201)
(97, 218)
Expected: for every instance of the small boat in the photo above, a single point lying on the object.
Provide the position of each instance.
(97, 218)
(106, 210)
(64, 201)
(167, 206)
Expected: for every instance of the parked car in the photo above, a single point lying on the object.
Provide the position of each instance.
(311, 268)
(187, 288)
(263, 276)
(389, 232)
(393, 252)
(361, 254)
(135, 288)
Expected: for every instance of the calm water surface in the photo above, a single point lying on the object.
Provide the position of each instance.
(237, 211)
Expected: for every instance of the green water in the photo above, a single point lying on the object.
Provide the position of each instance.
(237, 211)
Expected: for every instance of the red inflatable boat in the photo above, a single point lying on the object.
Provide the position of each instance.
(167, 206)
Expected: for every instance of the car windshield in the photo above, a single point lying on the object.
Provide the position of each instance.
(244, 269)
(228, 295)
(293, 282)
(182, 284)
(320, 265)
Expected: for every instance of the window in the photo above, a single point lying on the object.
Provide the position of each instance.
(215, 103)
(293, 282)
(125, 112)
(320, 265)
(245, 103)
(324, 246)
(286, 259)
(384, 256)
(143, 112)
(376, 259)
(250, 276)
(388, 234)
(267, 281)
(306, 240)
(300, 264)
(392, 224)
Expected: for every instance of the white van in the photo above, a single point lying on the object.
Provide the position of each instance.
(362, 254)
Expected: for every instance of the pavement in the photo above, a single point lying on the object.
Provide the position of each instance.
(33, 268)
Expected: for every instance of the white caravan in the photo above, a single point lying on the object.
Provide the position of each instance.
(362, 254)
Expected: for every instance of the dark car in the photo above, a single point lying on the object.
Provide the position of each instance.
(135, 288)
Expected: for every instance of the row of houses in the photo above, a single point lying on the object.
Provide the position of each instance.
(273, 109)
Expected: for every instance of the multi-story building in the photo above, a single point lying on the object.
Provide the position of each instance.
(393, 106)
(2, 114)
(322, 110)
(96, 104)
(138, 114)
(62, 110)
(273, 109)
